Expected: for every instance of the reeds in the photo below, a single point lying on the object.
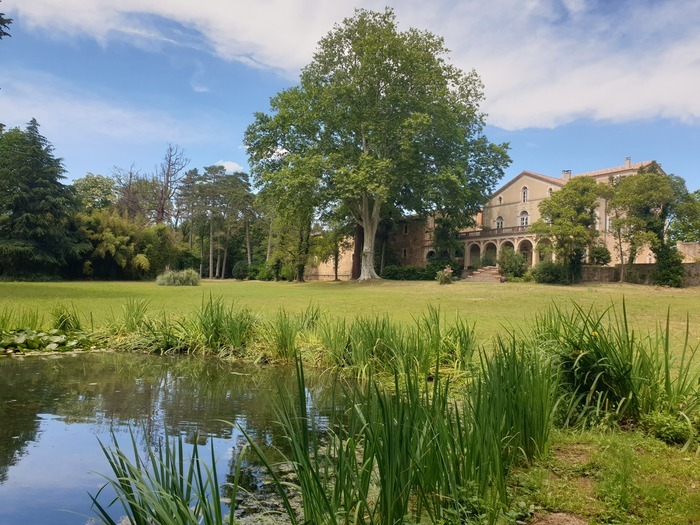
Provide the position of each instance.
(166, 485)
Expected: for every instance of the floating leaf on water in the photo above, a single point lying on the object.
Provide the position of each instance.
(51, 346)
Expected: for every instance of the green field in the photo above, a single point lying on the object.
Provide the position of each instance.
(492, 306)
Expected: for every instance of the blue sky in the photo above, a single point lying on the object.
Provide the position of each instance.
(571, 84)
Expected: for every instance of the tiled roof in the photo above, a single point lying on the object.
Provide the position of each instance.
(609, 171)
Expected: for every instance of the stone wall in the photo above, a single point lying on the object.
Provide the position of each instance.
(641, 273)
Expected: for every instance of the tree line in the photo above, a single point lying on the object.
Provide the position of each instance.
(380, 126)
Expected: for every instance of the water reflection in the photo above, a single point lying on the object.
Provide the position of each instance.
(53, 410)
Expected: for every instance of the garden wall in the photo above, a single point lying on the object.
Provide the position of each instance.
(640, 273)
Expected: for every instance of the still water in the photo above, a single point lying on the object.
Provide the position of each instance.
(54, 410)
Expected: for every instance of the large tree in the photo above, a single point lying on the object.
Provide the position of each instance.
(35, 207)
(568, 220)
(647, 203)
(385, 121)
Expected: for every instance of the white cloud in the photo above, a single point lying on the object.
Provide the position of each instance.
(63, 110)
(544, 62)
(231, 167)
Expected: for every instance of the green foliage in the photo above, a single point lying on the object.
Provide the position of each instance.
(408, 136)
(178, 278)
(550, 272)
(66, 319)
(444, 276)
(36, 233)
(674, 429)
(600, 255)
(669, 269)
(568, 219)
(95, 192)
(165, 485)
(614, 372)
(510, 263)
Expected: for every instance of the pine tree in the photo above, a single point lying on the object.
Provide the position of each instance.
(35, 207)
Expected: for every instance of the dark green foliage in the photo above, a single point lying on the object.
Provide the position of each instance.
(510, 263)
(415, 273)
(599, 255)
(4, 25)
(36, 233)
(675, 429)
(549, 272)
(669, 269)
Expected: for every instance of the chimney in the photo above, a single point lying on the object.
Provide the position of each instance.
(566, 175)
(628, 161)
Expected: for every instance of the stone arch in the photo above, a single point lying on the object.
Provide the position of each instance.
(490, 252)
(526, 248)
(473, 253)
(430, 255)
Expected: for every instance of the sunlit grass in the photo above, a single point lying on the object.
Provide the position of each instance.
(490, 306)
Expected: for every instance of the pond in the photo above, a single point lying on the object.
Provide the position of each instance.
(54, 410)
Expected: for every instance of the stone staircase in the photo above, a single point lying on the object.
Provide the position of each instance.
(487, 274)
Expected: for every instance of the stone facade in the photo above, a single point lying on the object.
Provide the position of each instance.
(513, 208)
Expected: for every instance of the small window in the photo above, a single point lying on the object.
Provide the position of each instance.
(549, 192)
(524, 219)
(523, 194)
(405, 253)
(500, 200)
(499, 223)
(405, 229)
(430, 255)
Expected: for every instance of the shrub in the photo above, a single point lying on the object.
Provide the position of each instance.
(240, 270)
(263, 273)
(669, 267)
(600, 255)
(548, 272)
(179, 278)
(669, 428)
(487, 260)
(511, 263)
(444, 276)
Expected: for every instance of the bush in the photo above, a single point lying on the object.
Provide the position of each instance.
(240, 270)
(263, 273)
(180, 278)
(444, 276)
(487, 260)
(669, 428)
(548, 272)
(600, 255)
(414, 273)
(511, 263)
(669, 267)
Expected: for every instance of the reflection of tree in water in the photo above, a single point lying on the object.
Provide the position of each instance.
(153, 395)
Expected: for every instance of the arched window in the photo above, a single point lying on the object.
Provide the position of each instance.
(524, 218)
(500, 200)
(499, 223)
(523, 194)
(430, 255)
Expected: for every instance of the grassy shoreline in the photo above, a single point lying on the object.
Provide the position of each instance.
(624, 368)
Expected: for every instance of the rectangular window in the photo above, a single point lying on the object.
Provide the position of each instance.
(405, 229)
(405, 252)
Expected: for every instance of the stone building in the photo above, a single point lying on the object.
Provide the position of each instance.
(504, 222)
(506, 218)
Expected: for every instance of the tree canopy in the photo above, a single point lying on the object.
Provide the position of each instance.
(380, 119)
(4, 25)
(568, 219)
(35, 207)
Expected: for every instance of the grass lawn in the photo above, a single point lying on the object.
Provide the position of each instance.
(492, 306)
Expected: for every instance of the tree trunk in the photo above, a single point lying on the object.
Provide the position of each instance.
(247, 244)
(223, 266)
(369, 218)
(269, 243)
(201, 258)
(218, 258)
(211, 248)
(336, 262)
